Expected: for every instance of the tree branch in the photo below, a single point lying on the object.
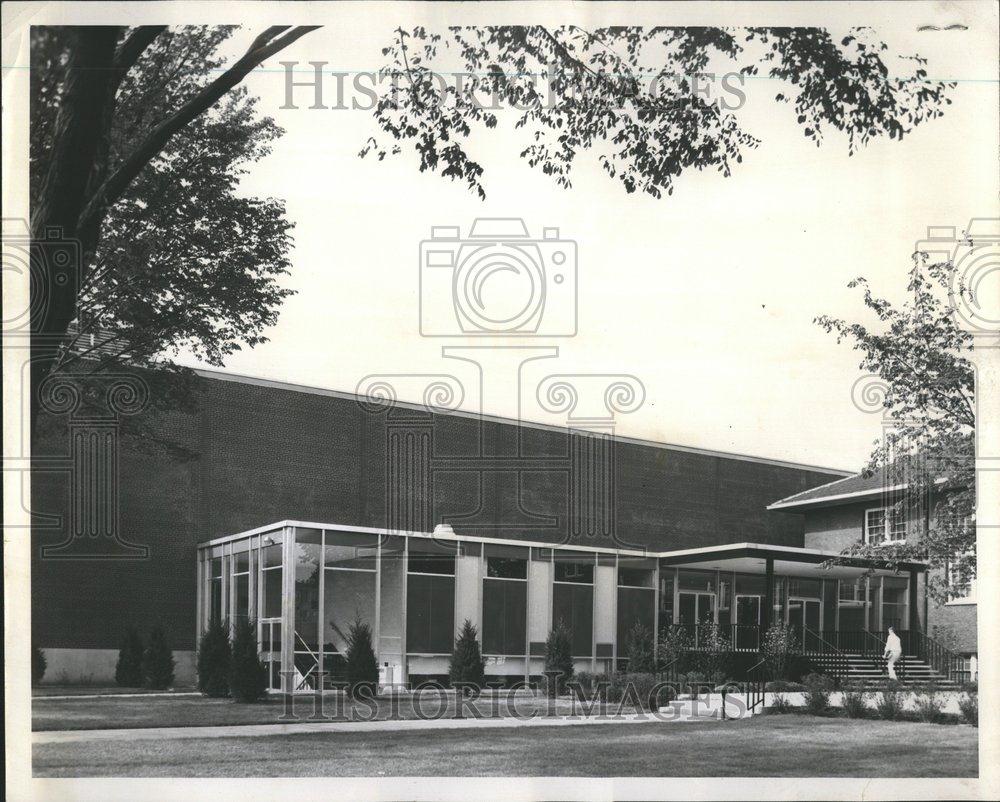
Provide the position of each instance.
(264, 46)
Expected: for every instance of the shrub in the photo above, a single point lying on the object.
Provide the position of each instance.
(714, 651)
(158, 661)
(640, 649)
(889, 702)
(784, 685)
(777, 647)
(558, 659)
(779, 704)
(467, 664)
(590, 683)
(38, 664)
(247, 674)
(928, 704)
(128, 669)
(856, 701)
(674, 643)
(214, 658)
(362, 667)
(968, 704)
(817, 693)
(643, 684)
(615, 691)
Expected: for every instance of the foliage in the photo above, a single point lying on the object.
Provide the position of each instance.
(128, 670)
(633, 97)
(714, 652)
(558, 659)
(928, 704)
(784, 685)
(591, 684)
(640, 649)
(643, 684)
(158, 661)
(214, 659)
(968, 704)
(467, 664)
(925, 386)
(777, 646)
(38, 664)
(889, 701)
(362, 667)
(817, 693)
(247, 674)
(856, 700)
(779, 704)
(673, 644)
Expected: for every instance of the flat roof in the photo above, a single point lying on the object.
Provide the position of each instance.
(301, 388)
(677, 557)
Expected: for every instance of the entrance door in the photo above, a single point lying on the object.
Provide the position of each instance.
(804, 618)
(748, 622)
(696, 610)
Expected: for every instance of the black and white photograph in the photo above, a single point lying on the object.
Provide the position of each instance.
(501, 400)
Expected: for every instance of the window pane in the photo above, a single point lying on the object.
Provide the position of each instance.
(241, 608)
(696, 580)
(574, 569)
(810, 588)
(634, 604)
(635, 577)
(430, 614)
(347, 597)
(505, 610)
(351, 550)
(216, 567)
(272, 593)
(507, 567)
(307, 595)
(272, 555)
(215, 612)
(574, 606)
(242, 562)
(432, 563)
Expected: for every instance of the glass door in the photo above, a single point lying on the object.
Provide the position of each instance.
(747, 635)
(696, 610)
(804, 617)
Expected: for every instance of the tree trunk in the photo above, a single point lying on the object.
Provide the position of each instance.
(58, 253)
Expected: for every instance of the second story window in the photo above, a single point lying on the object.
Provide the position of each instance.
(885, 525)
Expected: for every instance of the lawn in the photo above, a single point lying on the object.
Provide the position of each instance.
(770, 745)
(188, 711)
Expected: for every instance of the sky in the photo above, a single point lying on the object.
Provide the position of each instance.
(707, 297)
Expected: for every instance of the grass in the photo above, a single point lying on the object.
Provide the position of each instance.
(197, 711)
(764, 746)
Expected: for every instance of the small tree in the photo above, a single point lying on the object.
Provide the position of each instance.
(467, 663)
(776, 647)
(247, 674)
(674, 643)
(38, 664)
(362, 667)
(128, 669)
(558, 658)
(158, 661)
(214, 659)
(640, 649)
(716, 651)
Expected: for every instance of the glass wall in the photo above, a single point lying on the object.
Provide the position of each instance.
(349, 586)
(573, 598)
(430, 598)
(636, 599)
(505, 600)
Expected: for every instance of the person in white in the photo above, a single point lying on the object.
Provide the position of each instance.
(893, 651)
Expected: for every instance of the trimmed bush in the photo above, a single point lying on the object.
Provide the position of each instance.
(558, 659)
(856, 701)
(590, 684)
(640, 649)
(929, 705)
(968, 704)
(817, 693)
(247, 674)
(362, 667)
(128, 669)
(467, 664)
(214, 659)
(158, 661)
(889, 702)
(38, 664)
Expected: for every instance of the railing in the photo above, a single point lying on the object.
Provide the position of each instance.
(942, 660)
(757, 677)
(816, 644)
(737, 637)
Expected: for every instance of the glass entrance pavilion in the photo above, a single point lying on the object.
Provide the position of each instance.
(305, 584)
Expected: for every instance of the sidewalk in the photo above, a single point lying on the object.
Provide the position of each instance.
(300, 728)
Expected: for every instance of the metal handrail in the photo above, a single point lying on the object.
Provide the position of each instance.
(756, 688)
(840, 659)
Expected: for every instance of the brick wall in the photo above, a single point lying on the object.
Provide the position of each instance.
(245, 455)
